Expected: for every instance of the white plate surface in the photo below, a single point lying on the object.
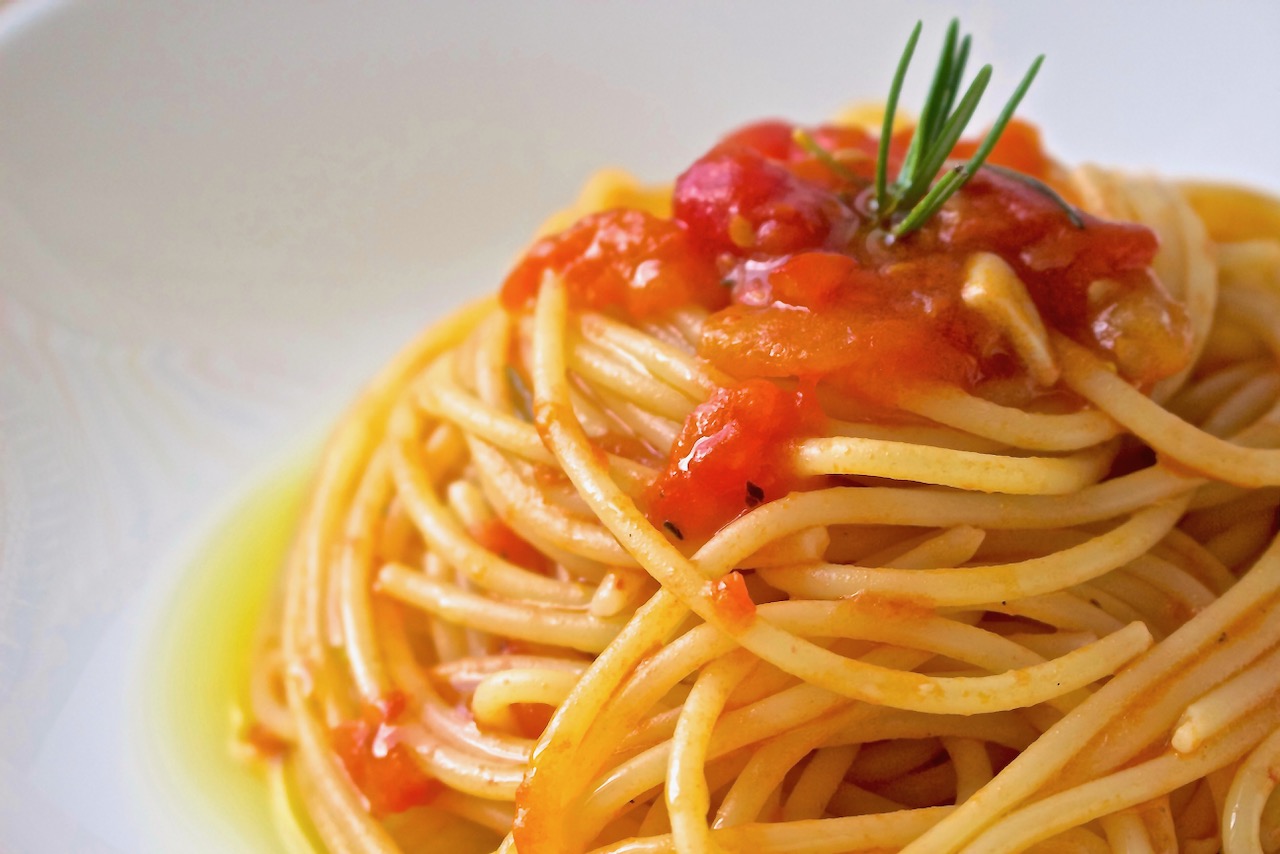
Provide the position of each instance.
(217, 218)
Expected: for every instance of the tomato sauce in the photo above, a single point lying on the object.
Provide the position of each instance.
(532, 718)
(732, 601)
(510, 546)
(806, 288)
(730, 456)
(624, 258)
(384, 771)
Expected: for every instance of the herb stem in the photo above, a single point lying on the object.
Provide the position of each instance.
(809, 144)
(993, 135)
(918, 190)
(890, 110)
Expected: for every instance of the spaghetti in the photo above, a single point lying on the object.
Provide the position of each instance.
(734, 526)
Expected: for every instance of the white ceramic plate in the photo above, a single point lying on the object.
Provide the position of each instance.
(217, 218)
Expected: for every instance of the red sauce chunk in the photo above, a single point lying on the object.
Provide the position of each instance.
(625, 259)
(740, 202)
(772, 138)
(383, 770)
(731, 600)
(827, 316)
(730, 456)
(776, 140)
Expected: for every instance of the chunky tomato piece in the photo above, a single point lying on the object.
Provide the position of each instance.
(731, 599)
(851, 148)
(841, 138)
(775, 140)
(997, 213)
(730, 456)
(873, 356)
(384, 771)
(742, 203)
(769, 138)
(817, 280)
(868, 332)
(625, 259)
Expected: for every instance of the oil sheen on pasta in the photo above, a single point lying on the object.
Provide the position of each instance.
(206, 659)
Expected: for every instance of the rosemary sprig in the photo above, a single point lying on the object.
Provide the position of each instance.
(917, 190)
(806, 141)
(1043, 189)
(890, 109)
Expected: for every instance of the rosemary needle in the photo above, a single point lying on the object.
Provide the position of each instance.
(918, 192)
(917, 189)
